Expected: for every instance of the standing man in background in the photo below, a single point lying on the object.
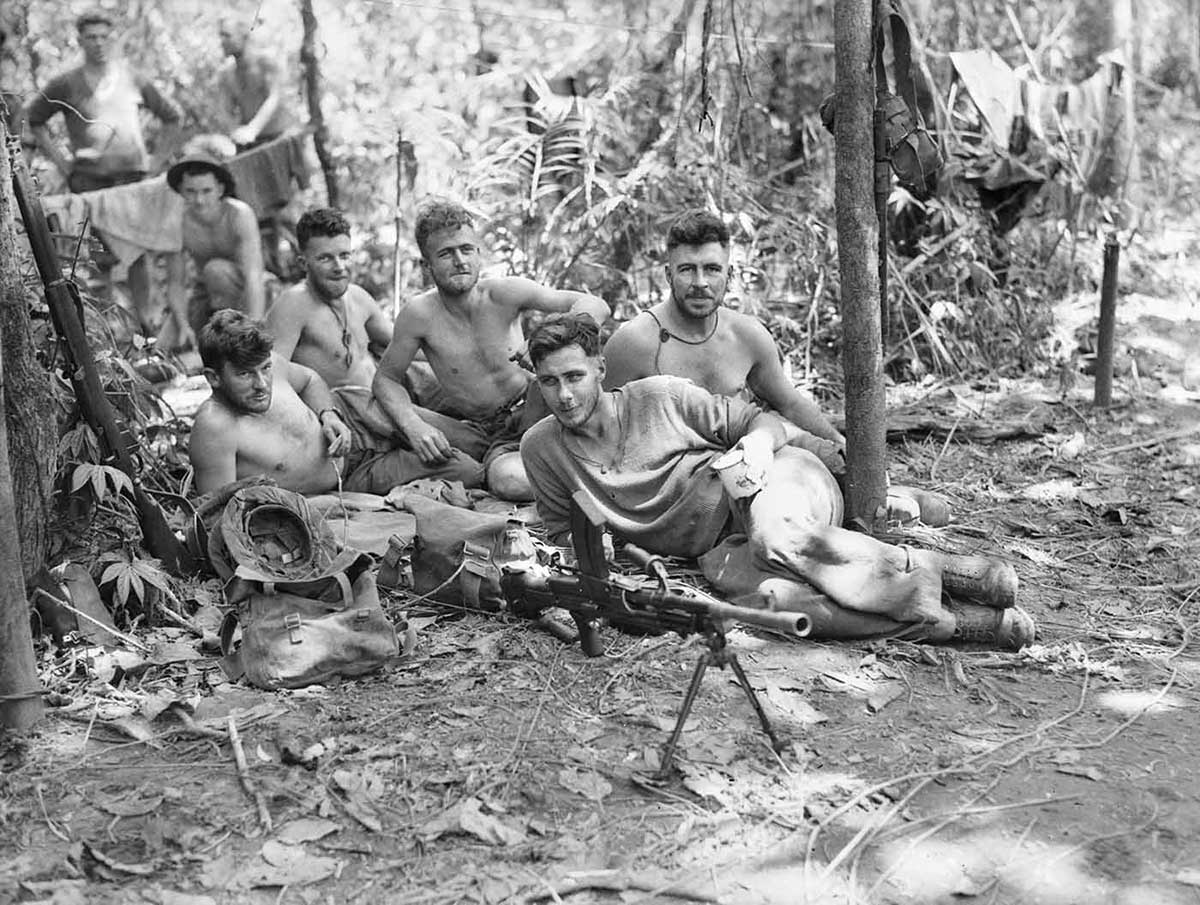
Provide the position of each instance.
(251, 88)
(100, 102)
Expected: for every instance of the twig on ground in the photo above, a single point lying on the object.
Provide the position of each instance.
(923, 778)
(243, 770)
(50, 824)
(613, 881)
(128, 639)
(938, 458)
(176, 617)
(1152, 441)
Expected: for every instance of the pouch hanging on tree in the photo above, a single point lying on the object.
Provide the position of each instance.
(913, 154)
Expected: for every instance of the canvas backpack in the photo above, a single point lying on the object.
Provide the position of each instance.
(308, 607)
(457, 554)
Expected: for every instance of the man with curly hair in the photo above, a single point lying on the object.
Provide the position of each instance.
(273, 417)
(469, 328)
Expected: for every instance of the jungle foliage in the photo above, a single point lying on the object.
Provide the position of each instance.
(671, 103)
(677, 103)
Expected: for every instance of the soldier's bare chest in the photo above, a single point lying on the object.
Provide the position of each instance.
(718, 363)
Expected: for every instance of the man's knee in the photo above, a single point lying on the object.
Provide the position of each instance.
(224, 282)
(789, 538)
(798, 486)
(507, 480)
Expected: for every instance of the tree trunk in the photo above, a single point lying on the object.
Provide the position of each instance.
(313, 89)
(20, 693)
(858, 262)
(29, 401)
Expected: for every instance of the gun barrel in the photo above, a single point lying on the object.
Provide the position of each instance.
(796, 624)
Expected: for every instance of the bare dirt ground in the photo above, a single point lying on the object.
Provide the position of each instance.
(496, 765)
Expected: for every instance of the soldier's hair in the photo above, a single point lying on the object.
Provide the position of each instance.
(561, 330)
(697, 227)
(437, 214)
(321, 221)
(94, 16)
(232, 337)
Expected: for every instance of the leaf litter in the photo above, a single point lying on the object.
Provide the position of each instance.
(494, 763)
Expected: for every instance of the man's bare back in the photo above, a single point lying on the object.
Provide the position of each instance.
(313, 333)
(284, 443)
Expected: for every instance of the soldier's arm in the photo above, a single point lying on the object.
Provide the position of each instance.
(213, 452)
(628, 354)
(285, 321)
(770, 383)
(527, 295)
(250, 259)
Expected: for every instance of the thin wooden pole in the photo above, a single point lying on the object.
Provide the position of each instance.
(313, 88)
(1108, 317)
(399, 220)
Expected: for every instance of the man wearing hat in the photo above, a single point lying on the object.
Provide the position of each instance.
(220, 234)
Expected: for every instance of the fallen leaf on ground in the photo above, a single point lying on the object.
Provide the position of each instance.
(705, 783)
(1056, 491)
(1091, 773)
(466, 817)
(1189, 876)
(170, 897)
(590, 785)
(306, 829)
(285, 865)
(360, 791)
(884, 696)
(173, 652)
(1065, 756)
(667, 723)
(96, 864)
(132, 804)
(792, 706)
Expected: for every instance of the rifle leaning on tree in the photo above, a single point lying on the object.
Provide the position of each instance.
(643, 605)
(66, 313)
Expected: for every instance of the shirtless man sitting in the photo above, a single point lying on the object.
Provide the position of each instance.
(470, 331)
(268, 416)
(220, 233)
(727, 352)
(328, 323)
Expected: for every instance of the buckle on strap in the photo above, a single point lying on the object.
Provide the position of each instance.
(293, 624)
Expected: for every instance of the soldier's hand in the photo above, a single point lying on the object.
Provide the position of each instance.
(430, 444)
(336, 433)
(757, 454)
(242, 136)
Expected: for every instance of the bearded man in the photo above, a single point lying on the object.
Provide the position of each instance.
(470, 331)
(692, 334)
(270, 416)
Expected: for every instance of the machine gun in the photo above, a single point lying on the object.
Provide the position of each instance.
(650, 605)
(66, 307)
